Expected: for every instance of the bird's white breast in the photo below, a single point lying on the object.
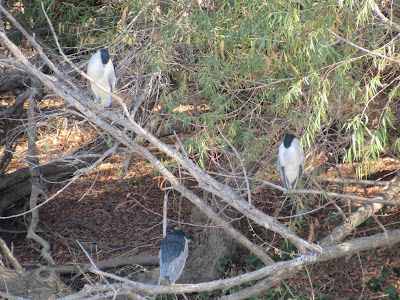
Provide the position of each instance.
(104, 76)
(291, 159)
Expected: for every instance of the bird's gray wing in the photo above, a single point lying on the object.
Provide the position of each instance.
(300, 172)
(278, 165)
(301, 167)
(112, 78)
(284, 178)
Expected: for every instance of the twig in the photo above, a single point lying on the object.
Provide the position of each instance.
(376, 9)
(12, 297)
(10, 256)
(358, 181)
(165, 213)
(94, 266)
(262, 285)
(363, 49)
(357, 218)
(378, 199)
(241, 163)
(37, 189)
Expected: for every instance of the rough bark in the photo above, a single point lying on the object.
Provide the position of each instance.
(110, 263)
(14, 79)
(41, 283)
(16, 186)
(212, 244)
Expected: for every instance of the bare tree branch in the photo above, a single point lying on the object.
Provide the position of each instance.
(385, 20)
(37, 188)
(358, 181)
(9, 255)
(109, 263)
(357, 218)
(363, 49)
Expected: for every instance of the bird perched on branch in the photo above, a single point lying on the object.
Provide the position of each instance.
(290, 161)
(102, 71)
(173, 253)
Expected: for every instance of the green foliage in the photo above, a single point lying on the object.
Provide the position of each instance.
(392, 292)
(227, 262)
(374, 284)
(384, 271)
(396, 270)
(253, 262)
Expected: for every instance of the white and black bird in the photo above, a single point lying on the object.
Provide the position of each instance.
(290, 161)
(173, 253)
(102, 71)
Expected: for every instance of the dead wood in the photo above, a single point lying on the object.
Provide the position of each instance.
(14, 79)
(37, 189)
(16, 186)
(7, 253)
(110, 263)
(42, 283)
(339, 233)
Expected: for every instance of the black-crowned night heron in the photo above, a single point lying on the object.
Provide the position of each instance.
(102, 71)
(173, 254)
(290, 161)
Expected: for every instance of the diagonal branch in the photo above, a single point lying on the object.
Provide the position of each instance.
(363, 49)
(357, 218)
(385, 20)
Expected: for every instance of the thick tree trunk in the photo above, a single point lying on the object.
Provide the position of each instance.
(212, 245)
(12, 80)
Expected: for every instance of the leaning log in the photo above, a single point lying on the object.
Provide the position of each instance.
(17, 186)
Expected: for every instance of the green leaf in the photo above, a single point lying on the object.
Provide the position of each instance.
(220, 267)
(374, 284)
(203, 295)
(385, 272)
(397, 271)
(253, 262)
(392, 292)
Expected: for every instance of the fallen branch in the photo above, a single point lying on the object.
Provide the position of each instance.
(10, 256)
(362, 214)
(109, 263)
(358, 181)
(206, 182)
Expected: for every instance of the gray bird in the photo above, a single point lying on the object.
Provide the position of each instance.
(290, 161)
(173, 253)
(102, 71)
